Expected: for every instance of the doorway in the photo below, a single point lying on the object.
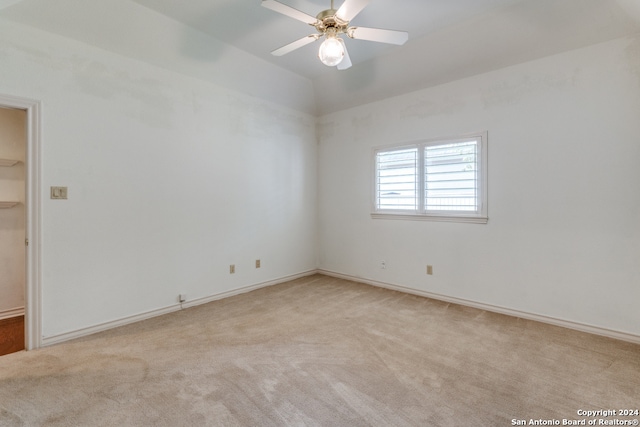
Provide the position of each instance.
(20, 318)
(13, 148)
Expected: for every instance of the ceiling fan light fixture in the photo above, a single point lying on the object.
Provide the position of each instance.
(331, 51)
(330, 23)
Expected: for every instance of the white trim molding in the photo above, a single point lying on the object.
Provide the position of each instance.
(420, 217)
(100, 327)
(245, 289)
(596, 330)
(12, 312)
(33, 293)
(79, 333)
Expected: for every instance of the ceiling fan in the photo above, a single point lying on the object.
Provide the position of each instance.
(331, 23)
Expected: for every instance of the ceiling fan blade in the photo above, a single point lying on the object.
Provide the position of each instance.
(346, 61)
(350, 8)
(289, 11)
(378, 35)
(295, 45)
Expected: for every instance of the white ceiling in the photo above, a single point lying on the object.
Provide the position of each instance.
(448, 39)
(257, 30)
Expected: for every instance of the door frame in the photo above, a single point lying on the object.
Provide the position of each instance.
(33, 221)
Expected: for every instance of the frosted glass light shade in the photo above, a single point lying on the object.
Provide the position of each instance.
(331, 52)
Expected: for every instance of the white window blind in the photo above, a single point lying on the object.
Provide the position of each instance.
(451, 177)
(443, 179)
(397, 177)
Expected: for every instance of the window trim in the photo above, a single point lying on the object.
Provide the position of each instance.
(479, 217)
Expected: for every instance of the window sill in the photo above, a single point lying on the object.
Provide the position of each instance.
(440, 218)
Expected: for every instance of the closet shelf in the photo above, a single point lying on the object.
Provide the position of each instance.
(7, 205)
(8, 162)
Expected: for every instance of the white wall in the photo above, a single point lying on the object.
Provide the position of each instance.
(563, 238)
(170, 178)
(130, 29)
(12, 226)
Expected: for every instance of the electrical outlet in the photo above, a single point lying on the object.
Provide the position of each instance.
(429, 269)
(182, 297)
(383, 265)
(257, 263)
(232, 269)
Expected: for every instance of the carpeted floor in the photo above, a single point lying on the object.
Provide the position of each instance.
(320, 351)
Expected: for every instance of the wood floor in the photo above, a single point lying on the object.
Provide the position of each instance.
(11, 335)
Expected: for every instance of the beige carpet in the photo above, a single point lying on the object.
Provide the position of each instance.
(319, 351)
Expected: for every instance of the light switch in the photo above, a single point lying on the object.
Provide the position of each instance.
(58, 192)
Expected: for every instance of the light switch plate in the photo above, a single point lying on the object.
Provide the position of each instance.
(59, 193)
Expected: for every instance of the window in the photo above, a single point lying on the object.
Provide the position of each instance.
(444, 179)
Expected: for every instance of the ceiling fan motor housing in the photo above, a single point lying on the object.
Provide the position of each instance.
(327, 20)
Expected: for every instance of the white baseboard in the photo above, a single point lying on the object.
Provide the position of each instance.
(245, 289)
(12, 312)
(596, 330)
(79, 333)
